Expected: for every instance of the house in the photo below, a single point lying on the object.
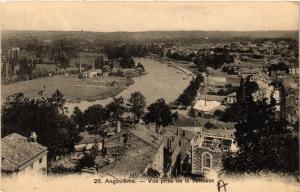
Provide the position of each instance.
(145, 152)
(22, 155)
(294, 69)
(208, 104)
(231, 98)
(92, 73)
(208, 150)
(222, 80)
(177, 150)
(87, 142)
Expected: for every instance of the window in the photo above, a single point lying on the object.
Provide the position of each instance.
(41, 160)
(206, 161)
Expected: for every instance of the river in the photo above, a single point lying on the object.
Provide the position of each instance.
(161, 81)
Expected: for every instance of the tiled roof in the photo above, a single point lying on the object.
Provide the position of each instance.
(91, 139)
(226, 133)
(136, 159)
(148, 136)
(212, 97)
(233, 94)
(17, 150)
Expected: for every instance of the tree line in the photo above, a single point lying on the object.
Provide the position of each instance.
(58, 132)
(189, 94)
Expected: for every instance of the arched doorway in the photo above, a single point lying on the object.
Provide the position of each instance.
(206, 162)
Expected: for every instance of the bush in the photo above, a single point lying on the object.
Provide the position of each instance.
(153, 173)
(209, 125)
(218, 113)
(88, 160)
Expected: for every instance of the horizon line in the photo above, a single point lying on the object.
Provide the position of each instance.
(179, 30)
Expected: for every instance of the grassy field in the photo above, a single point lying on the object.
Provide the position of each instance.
(71, 86)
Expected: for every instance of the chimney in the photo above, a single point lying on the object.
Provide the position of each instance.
(33, 137)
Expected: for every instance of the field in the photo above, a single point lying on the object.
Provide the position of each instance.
(71, 86)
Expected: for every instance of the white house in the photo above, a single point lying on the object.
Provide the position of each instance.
(21, 155)
(92, 73)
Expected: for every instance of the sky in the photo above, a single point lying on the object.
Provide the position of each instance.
(142, 16)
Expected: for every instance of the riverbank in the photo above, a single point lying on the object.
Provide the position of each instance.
(161, 81)
(74, 89)
(186, 67)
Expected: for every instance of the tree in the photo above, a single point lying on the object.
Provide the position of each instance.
(44, 116)
(185, 99)
(175, 116)
(152, 173)
(105, 69)
(139, 65)
(95, 115)
(78, 117)
(58, 101)
(88, 160)
(138, 104)
(127, 62)
(190, 92)
(99, 62)
(159, 113)
(115, 109)
(264, 142)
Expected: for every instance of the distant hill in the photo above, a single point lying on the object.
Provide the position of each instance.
(153, 35)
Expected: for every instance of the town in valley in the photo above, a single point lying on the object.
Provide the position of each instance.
(152, 107)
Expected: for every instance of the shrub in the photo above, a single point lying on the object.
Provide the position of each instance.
(209, 125)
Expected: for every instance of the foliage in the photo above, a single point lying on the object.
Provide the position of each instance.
(160, 113)
(209, 125)
(78, 117)
(138, 104)
(88, 160)
(45, 116)
(190, 92)
(152, 173)
(139, 65)
(127, 62)
(99, 62)
(278, 67)
(106, 68)
(264, 142)
(95, 115)
(214, 58)
(185, 99)
(115, 109)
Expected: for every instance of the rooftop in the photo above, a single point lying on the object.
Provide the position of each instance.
(212, 97)
(206, 106)
(136, 159)
(87, 138)
(17, 150)
(148, 136)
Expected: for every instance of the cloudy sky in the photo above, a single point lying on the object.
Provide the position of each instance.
(141, 16)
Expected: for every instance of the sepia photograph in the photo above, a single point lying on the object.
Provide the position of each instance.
(149, 96)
